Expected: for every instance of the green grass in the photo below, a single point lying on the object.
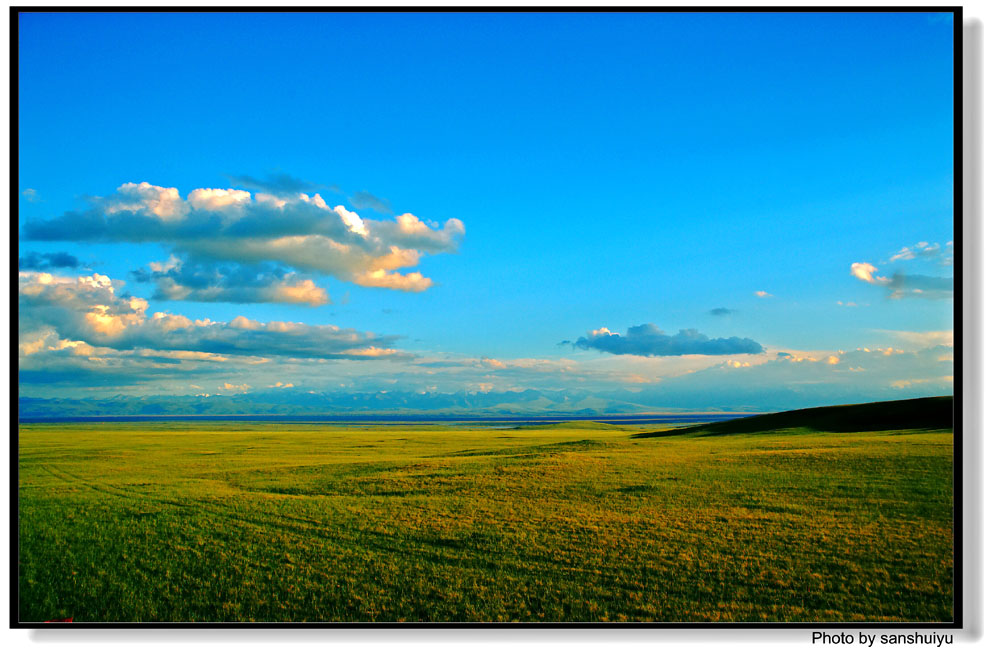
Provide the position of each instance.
(276, 522)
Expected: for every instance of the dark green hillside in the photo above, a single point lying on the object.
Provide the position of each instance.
(923, 413)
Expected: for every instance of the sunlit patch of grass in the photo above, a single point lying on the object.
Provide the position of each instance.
(276, 522)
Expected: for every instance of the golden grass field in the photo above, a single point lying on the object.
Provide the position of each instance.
(576, 522)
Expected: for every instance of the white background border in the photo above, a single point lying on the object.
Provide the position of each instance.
(982, 17)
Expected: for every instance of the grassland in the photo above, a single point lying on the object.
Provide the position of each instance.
(573, 522)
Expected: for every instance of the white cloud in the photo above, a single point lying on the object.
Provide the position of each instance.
(409, 231)
(164, 203)
(90, 309)
(231, 226)
(301, 292)
(411, 282)
(219, 199)
(351, 219)
(865, 272)
(370, 352)
(922, 249)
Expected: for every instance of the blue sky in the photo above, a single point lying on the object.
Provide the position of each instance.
(600, 171)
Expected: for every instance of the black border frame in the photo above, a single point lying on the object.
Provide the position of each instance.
(958, 405)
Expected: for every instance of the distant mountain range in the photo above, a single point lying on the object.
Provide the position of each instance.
(526, 403)
(296, 402)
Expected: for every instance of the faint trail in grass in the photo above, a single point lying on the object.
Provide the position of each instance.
(313, 530)
(204, 506)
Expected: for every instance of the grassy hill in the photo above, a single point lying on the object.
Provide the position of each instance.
(923, 413)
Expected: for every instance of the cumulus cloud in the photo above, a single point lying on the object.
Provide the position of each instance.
(763, 293)
(30, 194)
(90, 309)
(223, 200)
(47, 261)
(408, 231)
(722, 312)
(365, 200)
(649, 340)
(231, 226)
(239, 284)
(163, 203)
(865, 272)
